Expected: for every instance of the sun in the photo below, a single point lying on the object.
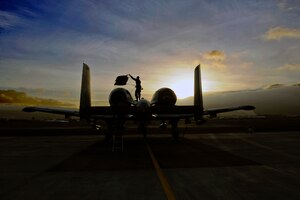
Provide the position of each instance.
(185, 88)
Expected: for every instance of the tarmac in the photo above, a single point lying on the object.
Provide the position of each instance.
(216, 165)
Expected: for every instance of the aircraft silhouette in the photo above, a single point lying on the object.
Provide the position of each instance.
(122, 107)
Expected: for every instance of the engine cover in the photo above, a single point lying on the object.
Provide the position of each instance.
(120, 97)
(164, 96)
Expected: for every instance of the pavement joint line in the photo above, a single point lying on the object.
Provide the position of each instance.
(162, 177)
(266, 147)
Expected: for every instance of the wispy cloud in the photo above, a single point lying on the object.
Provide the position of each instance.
(214, 55)
(147, 38)
(214, 59)
(288, 5)
(9, 20)
(290, 67)
(220, 60)
(15, 97)
(278, 33)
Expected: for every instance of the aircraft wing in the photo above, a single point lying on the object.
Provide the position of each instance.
(215, 111)
(158, 112)
(97, 112)
(181, 112)
(52, 110)
(108, 117)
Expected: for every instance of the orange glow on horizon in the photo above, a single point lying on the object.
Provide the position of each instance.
(185, 88)
(181, 81)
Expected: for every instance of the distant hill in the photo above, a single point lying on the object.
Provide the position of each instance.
(276, 99)
(21, 98)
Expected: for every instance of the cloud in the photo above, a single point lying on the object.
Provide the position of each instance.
(127, 37)
(279, 33)
(277, 99)
(276, 85)
(215, 59)
(246, 65)
(282, 5)
(220, 60)
(290, 67)
(214, 55)
(13, 20)
(15, 97)
(9, 20)
(288, 5)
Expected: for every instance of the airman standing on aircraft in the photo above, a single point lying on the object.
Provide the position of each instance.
(138, 87)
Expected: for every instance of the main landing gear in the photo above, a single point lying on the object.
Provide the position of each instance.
(175, 131)
(142, 128)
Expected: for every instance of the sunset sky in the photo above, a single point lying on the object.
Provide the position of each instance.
(240, 44)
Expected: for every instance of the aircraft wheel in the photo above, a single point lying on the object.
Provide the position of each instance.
(142, 128)
(108, 136)
(175, 131)
(175, 135)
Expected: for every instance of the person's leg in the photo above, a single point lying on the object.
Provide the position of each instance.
(139, 95)
(136, 95)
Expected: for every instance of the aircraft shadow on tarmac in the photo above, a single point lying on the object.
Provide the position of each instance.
(186, 154)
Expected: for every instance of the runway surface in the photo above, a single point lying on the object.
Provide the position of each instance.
(260, 165)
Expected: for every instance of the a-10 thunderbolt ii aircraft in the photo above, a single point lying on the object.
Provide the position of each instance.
(122, 107)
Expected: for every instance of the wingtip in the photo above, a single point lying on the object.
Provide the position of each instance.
(28, 109)
(249, 107)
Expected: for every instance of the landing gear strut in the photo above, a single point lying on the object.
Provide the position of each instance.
(112, 128)
(175, 131)
(142, 128)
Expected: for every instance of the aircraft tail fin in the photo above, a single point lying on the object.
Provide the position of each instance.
(85, 95)
(198, 98)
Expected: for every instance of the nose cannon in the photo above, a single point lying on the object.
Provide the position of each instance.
(143, 108)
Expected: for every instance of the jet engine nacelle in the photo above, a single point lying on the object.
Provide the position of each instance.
(120, 97)
(164, 96)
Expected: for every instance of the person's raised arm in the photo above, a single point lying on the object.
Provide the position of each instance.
(132, 77)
